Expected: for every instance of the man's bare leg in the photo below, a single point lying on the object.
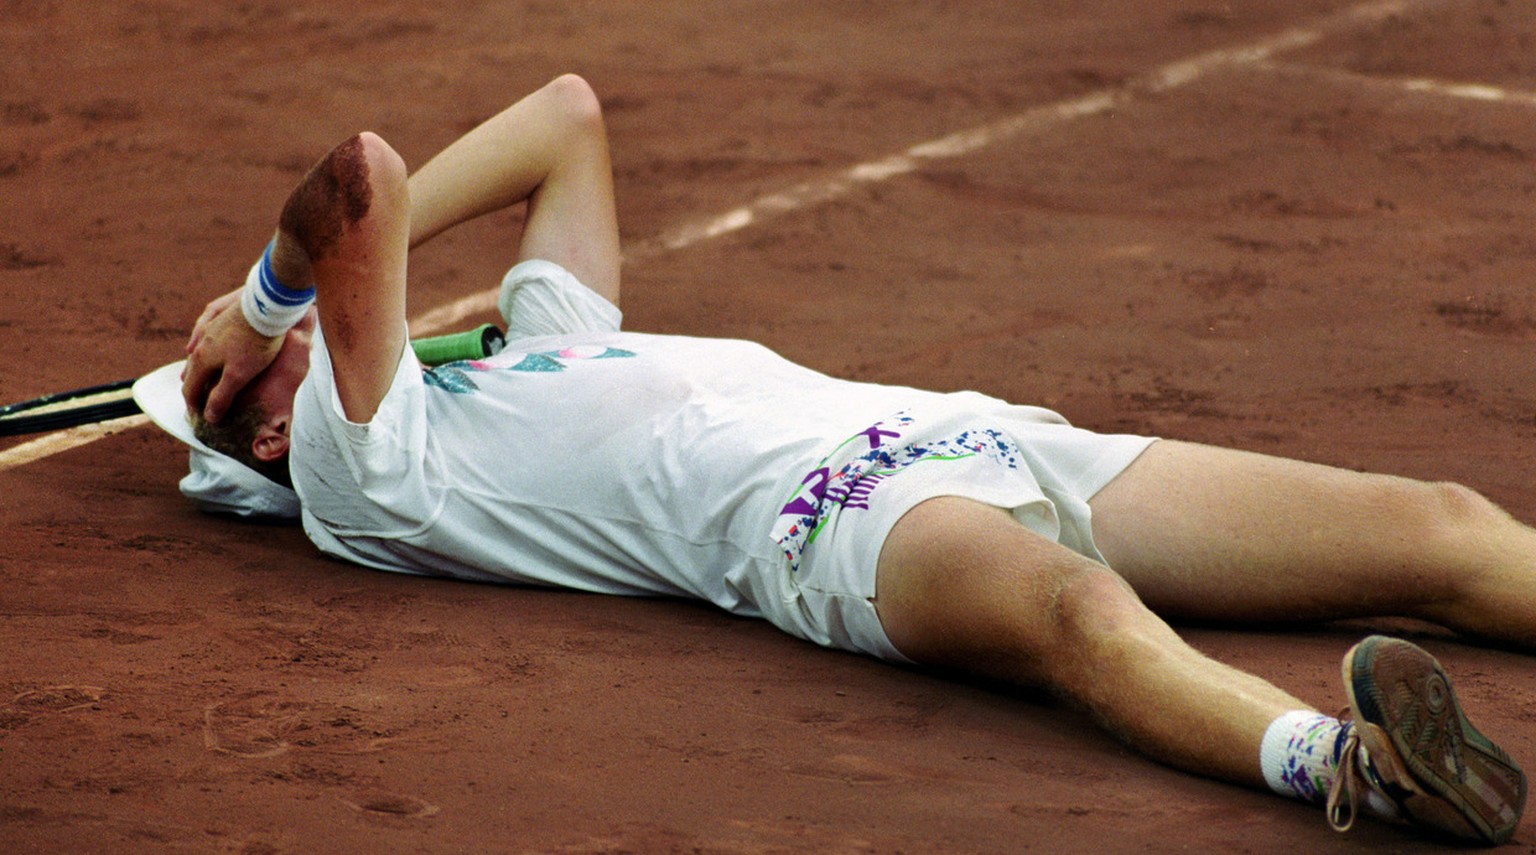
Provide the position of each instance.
(962, 585)
(1215, 534)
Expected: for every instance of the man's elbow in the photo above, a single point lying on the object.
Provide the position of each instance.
(577, 103)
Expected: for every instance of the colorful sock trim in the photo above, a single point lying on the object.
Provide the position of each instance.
(1299, 754)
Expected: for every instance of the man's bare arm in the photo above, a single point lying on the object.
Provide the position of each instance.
(350, 217)
(550, 149)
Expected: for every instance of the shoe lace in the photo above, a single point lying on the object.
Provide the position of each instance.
(1343, 793)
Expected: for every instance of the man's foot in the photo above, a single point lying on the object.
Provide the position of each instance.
(1410, 742)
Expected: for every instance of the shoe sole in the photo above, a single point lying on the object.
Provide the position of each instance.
(1402, 690)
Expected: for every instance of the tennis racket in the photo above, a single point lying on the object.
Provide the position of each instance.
(61, 410)
(93, 404)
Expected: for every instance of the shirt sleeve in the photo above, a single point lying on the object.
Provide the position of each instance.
(540, 298)
(363, 478)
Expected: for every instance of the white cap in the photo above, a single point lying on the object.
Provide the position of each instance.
(217, 483)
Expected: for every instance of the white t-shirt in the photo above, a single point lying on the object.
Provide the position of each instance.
(599, 460)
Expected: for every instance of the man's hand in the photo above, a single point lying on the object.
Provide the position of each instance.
(223, 355)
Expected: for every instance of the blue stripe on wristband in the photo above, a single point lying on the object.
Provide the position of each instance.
(276, 291)
(269, 306)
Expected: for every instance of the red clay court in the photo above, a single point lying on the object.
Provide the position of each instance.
(1302, 227)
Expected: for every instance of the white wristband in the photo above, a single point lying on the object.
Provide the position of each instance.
(270, 307)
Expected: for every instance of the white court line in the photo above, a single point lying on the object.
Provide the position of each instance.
(1422, 85)
(811, 193)
(64, 440)
(1473, 91)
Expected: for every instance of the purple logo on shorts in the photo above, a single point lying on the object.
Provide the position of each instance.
(848, 477)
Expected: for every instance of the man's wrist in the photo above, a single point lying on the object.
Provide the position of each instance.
(269, 306)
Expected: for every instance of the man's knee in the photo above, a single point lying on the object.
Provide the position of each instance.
(964, 584)
(1435, 528)
(1437, 513)
(1093, 607)
(1463, 506)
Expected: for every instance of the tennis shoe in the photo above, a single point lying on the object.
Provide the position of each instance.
(1409, 742)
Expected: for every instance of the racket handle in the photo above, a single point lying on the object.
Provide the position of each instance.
(478, 343)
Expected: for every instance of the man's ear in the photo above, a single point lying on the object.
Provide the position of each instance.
(271, 441)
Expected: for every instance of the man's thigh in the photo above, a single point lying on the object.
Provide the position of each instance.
(1213, 533)
(963, 584)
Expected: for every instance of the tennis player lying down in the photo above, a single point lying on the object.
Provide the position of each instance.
(952, 530)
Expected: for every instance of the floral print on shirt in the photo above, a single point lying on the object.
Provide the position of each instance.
(457, 377)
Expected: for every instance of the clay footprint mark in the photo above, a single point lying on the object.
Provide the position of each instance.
(58, 698)
(259, 726)
(391, 804)
(49, 699)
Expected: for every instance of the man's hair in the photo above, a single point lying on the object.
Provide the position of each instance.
(233, 437)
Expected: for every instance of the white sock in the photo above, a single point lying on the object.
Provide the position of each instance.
(1299, 756)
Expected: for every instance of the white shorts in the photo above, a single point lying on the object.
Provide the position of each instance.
(1023, 459)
